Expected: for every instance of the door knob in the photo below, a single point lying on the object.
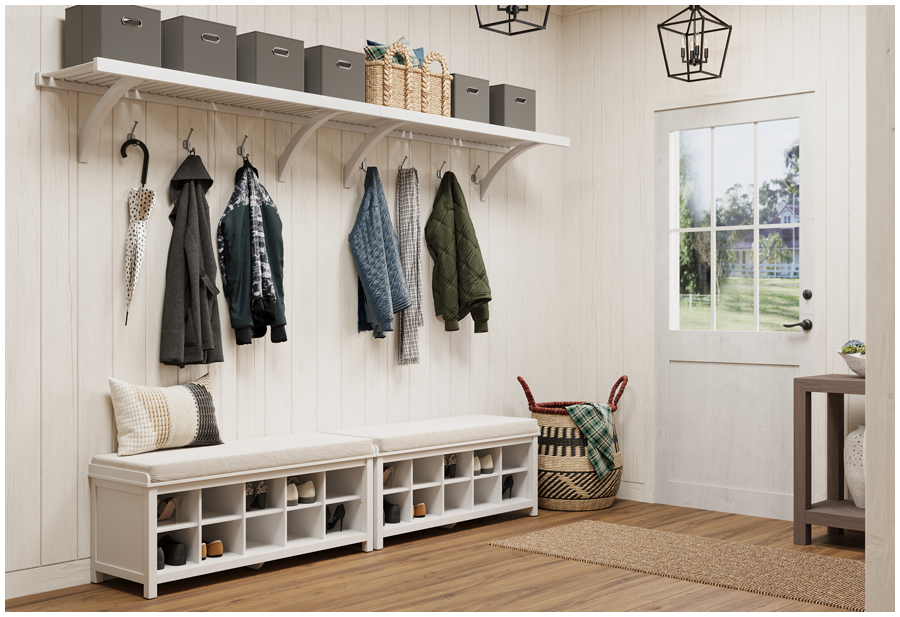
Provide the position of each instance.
(805, 324)
(807, 294)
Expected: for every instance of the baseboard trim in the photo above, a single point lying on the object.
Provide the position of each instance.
(47, 578)
(631, 490)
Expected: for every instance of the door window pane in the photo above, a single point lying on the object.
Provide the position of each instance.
(779, 278)
(779, 172)
(695, 312)
(695, 176)
(734, 283)
(734, 174)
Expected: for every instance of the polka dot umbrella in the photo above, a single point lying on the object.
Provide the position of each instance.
(140, 204)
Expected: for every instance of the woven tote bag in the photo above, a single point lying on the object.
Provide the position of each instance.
(566, 478)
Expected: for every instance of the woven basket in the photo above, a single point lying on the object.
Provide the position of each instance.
(407, 87)
(566, 478)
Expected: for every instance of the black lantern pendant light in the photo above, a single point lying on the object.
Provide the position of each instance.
(693, 27)
(513, 21)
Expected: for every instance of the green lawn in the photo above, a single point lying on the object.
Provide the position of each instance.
(778, 304)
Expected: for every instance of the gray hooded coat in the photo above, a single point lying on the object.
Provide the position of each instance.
(190, 319)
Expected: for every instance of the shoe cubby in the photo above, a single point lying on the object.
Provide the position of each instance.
(306, 525)
(404, 500)
(231, 533)
(520, 487)
(187, 510)
(344, 485)
(487, 491)
(318, 480)
(400, 479)
(432, 497)
(428, 471)
(353, 521)
(190, 537)
(274, 500)
(515, 458)
(464, 466)
(222, 503)
(265, 533)
(496, 458)
(458, 497)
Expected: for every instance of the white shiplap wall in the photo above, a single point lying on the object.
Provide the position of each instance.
(65, 233)
(613, 71)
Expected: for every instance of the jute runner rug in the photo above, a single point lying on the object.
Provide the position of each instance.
(794, 575)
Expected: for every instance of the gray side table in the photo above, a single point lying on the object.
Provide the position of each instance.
(835, 512)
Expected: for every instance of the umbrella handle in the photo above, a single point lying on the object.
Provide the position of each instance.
(139, 144)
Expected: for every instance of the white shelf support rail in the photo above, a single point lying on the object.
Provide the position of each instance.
(508, 158)
(286, 160)
(91, 131)
(366, 146)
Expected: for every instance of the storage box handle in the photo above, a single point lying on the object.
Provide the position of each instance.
(343, 64)
(472, 90)
(520, 99)
(132, 22)
(208, 37)
(281, 52)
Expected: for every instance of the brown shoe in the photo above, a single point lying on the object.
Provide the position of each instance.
(419, 510)
(215, 549)
(202, 551)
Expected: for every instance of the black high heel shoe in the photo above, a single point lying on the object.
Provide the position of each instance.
(507, 485)
(338, 517)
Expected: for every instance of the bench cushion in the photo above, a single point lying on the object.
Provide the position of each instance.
(437, 432)
(239, 455)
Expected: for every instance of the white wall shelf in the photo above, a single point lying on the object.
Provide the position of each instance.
(114, 80)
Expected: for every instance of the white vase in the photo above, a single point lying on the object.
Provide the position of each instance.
(855, 465)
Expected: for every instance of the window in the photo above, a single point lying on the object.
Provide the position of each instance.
(735, 201)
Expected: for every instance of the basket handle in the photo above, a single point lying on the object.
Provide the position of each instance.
(613, 402)
(527, 391)
(431, 58)
(396, 49)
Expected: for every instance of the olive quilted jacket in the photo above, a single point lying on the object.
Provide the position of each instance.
(459, 281)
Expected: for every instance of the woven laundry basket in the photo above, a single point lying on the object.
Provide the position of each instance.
(566, 478)
(407, 87)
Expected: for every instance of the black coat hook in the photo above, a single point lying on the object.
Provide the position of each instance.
(186, 144)
(139, 144)
(440, 171)
(401, 164)
(475, 175)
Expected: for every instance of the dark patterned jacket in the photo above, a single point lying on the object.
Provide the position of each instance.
(251, 257)
(190, 319)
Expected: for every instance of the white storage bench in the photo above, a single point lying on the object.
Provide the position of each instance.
(211, 482)
(418, 448)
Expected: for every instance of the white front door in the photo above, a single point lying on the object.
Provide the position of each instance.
(731, 271)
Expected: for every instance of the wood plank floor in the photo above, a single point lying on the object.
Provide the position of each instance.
(456, 570)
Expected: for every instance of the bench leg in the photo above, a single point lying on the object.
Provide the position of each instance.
(96, 577)
(534, 510)
(149, 590)
(366, 547)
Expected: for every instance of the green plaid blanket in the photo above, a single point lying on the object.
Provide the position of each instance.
(377, 52)
(595, 421)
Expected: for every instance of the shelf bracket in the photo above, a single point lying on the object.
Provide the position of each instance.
(508, 158)
(91, 130)
(366, 146)
(286, 160)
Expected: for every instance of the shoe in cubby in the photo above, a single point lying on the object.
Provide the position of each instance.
(177, 510)
(229, 533)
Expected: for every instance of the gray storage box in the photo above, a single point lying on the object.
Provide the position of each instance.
(336, 72)
(512, 106)
(270, 60)
(199, 46)
(470, 98)
(129, 33)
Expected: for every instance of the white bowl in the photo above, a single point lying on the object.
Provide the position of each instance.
(856, 362)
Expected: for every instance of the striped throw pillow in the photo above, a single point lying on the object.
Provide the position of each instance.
(150, 419)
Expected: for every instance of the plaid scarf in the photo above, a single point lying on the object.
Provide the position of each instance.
(410, 232)
(595, 421)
